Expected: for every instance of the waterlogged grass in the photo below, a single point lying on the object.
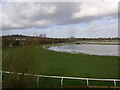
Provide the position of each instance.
(104, 43)
(36, 60)
(98, 43)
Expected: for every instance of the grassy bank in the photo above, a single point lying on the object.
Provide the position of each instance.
(97, 43)
(104, 43)
(36, 60)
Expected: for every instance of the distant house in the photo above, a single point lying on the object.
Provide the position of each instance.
(20, 39)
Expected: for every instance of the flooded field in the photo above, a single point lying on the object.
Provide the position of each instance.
(111, 50)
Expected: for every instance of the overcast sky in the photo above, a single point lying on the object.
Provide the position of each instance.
(60, 19)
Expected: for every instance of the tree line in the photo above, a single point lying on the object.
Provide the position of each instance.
(22, 40)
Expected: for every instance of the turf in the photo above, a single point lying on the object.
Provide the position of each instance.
(36, 60)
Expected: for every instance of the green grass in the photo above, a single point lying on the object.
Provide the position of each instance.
(104, 43)
(36, 60)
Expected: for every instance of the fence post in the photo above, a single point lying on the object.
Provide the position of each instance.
(17, 75)
(62, 82)
(38, 81)
(114, 83)
(87, 82)
(1, 73)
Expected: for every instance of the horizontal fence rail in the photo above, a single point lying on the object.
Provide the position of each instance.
(62, 78)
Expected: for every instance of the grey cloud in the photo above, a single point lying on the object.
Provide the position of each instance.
(43, 15)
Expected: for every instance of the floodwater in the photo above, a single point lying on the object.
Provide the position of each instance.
(110, 50)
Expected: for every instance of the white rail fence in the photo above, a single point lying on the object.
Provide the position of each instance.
(62, 78)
